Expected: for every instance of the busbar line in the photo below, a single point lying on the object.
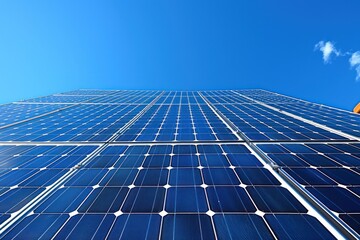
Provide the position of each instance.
(335, 226)
(302, 119)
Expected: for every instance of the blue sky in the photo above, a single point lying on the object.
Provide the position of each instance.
(54, 46)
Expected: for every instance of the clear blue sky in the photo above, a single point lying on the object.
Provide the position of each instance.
(53, 46)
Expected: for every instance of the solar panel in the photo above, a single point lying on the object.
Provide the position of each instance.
(27, 171)
(78, 123)
(118, 164)
(260, 124)
(188, 120)
(341, 120)
(169, 188)
(330, 172)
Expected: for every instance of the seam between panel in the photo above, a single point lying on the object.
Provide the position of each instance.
(338, 132)
(25, 210)
(43, 195)
(335, 225)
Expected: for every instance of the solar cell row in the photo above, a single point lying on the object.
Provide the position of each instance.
(124, 189)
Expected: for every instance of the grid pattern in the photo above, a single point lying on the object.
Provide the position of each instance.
(78, 123)
(343, 121)
(179, 117)
(26, 172)
(326, 171)
(213, 187)
(264, 124)
(12, 113)
(116, 164)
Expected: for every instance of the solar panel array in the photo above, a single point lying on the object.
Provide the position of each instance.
(97, 164)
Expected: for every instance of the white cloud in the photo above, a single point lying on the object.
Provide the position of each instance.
(355, 63)
(327, 49)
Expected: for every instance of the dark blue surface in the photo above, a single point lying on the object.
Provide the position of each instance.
(288, 160)
(187, 226)
(235, 148)
(353, 220)
(214, 160)
(129, 161)
(64, 200)
(15, 199)
(156, 161)
(86, 226)
(185, 176)
(297, 148)
(152, 177)
(104, 200)
(337, 199)
(244, 160)
(86, 177)
(220, 176)
(318, 160)
(38, 226)
(342, 175)
(186, 199)
(145, 200)
(229, 199)
(241, 226)
(309, 176)
(256, 176)
(347, 160)
(297, 226)
(119, 177)
(185, 161)
(136, 226)
(275, 199)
